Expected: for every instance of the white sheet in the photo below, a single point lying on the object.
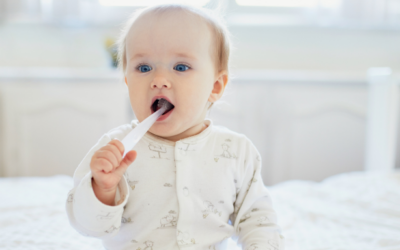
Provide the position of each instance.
(32, 215)
(354, 211)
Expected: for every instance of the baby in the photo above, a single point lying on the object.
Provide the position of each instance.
(187, 184)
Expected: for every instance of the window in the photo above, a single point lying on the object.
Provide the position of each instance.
(150, 2)
(289, 3)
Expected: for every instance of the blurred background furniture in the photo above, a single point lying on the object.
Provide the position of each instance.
(51, 118)
(383, 120)
(305, 125)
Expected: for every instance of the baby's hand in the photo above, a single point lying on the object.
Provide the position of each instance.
(107, 168)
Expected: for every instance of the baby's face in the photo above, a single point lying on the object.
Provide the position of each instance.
(170, 56)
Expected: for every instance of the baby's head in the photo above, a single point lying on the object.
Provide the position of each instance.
(176, 52)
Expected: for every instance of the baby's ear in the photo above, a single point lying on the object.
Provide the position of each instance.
(219, 86)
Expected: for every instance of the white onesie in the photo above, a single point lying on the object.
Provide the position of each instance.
(191, 194)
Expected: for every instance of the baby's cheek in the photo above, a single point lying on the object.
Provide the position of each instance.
(193, 107)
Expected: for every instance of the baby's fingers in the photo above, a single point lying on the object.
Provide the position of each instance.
(118, 148)
(103, 165)
(128, 159)
(109, 154)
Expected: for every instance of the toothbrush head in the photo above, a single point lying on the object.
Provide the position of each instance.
(165, 104)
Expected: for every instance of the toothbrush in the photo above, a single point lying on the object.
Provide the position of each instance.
(137, 133)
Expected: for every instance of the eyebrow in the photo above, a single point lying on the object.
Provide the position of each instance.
(185, 55)
(139, 55)
(180, 54)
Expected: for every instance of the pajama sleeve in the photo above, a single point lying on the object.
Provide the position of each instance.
(88, 215)
(254, 219)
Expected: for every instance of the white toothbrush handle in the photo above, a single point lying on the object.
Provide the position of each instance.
(137, 133)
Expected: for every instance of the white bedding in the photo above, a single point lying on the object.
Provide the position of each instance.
(354, 211)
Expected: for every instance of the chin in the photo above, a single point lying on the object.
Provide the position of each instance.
(162, 130)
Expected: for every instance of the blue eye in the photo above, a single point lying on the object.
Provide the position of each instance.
(181, 67)
(144, 68)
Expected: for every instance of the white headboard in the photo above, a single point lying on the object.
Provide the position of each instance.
(382, 122)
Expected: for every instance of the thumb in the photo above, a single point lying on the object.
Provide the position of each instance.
(128, 159)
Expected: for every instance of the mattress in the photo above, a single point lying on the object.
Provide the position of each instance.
(354, 211)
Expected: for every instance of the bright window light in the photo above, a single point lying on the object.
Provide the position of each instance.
(280, 3)
(151, 2)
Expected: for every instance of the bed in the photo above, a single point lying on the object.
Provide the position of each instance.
(354, 211)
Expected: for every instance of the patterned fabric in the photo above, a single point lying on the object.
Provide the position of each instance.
(195, 193)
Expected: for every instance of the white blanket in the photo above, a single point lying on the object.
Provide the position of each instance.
(354, 211)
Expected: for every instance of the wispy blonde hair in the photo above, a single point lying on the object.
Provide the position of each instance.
(214, 20)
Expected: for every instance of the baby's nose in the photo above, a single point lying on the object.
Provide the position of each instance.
(160, 82)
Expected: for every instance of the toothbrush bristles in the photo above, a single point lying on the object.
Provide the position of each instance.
(164, 104)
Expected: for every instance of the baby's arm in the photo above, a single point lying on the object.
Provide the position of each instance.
(254, 218)
(86, 212)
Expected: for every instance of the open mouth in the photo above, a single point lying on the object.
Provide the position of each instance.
(155, 106)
